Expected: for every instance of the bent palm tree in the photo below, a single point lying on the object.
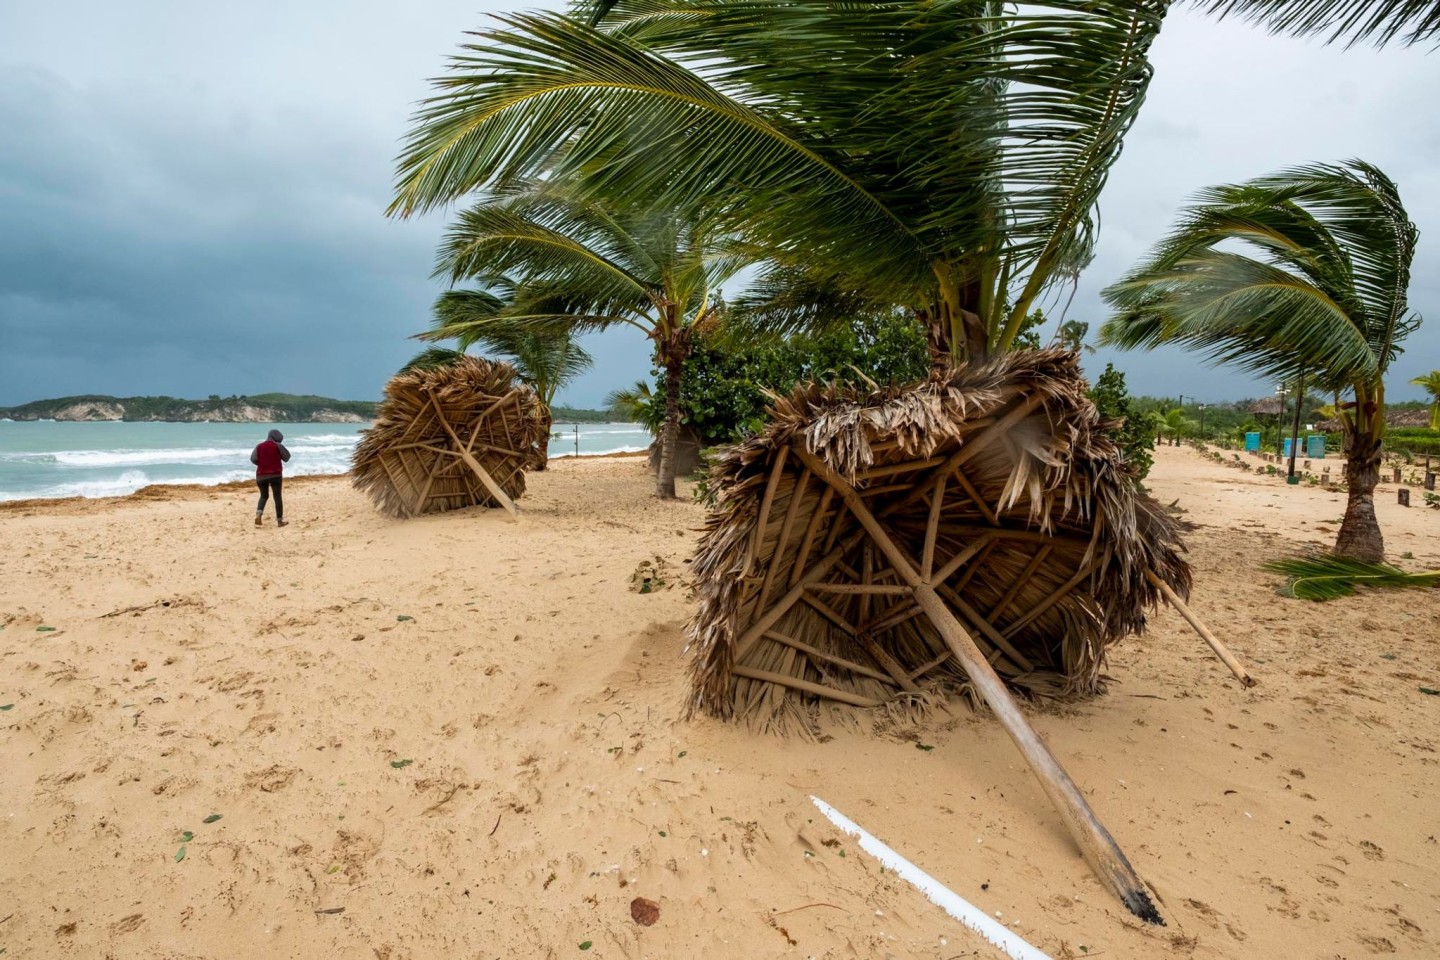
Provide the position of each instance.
(1431, 383)
(1320, 288)
(545, 359)
(578, 266)
(946, 157)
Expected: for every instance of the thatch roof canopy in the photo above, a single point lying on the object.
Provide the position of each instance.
(457, 436)
(1265, 407)
(995, 487)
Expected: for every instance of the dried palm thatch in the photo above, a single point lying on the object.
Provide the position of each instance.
(999, 489)
(975, 527)
(457, 436)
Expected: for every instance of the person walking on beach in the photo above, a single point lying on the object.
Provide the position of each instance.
(268, 456)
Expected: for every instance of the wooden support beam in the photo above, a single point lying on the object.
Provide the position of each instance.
(1225, 655)
(1020, 582)
(959, 560)
(1095, 842)
(975, 497)
(772, 569)
(811, 528)
(887, 663)
(829, 613)
(929, 665)
(1058, 595)
(987, 628)
(890, 469)
(474, 465)
(794, 683)
(1099, 847)
(870, 589)
(765, 619)
(425, 490)
(927, 554)
(762, 519)
(830, 658)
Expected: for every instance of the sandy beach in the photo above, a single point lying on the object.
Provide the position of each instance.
(461, 736)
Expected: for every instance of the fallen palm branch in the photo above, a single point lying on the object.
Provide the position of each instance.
(1324, 577)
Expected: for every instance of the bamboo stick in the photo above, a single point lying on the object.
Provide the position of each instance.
(1020, 581)
(766, 618)
(959, 560)
(762, 520)
(975, 497)
(871, 589)
(887, 663)
(987, 628)
(475, 467)
(821, 655)
(829, 613)
(425, 490)
(927, 554)
(813, 527)
(895, 616)
(891, 469)
(974, 568)
(929, 665)
(1095, 842)
(773, 568)
(794, 683)
(1057, 595)
(1225, 655)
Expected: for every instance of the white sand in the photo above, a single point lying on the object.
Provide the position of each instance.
(553, 780)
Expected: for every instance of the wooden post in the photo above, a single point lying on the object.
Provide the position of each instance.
(1397, 475)
(1429, 480)
(1094, 840)
(1402, 496)
(1220, 651)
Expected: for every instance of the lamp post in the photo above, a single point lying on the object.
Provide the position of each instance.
(1202, 422)
(1280, 421)
(1295, 430)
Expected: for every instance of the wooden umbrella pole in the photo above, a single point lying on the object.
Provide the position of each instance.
(474, 464)
(1095, 842)
(1099, 847)
(1221, 651)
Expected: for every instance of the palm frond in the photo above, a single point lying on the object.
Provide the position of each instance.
(1354, 21)
(432, 358)
(1326, 577)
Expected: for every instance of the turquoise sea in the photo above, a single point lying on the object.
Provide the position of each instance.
(48, 459)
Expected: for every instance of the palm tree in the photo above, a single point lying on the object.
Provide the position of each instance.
(1071, 335)
(1173, 424)
(1431, 383)
(563, 264)
(545, 358)
(1412, 21)
(1306, 270)
(942, 157)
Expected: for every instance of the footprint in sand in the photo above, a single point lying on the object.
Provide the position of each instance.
(1372, 851)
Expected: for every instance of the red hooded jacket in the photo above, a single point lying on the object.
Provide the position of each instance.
(268, 458)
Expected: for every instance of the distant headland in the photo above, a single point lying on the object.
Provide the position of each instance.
(259, 408)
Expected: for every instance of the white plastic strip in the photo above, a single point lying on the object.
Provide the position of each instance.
(936, 892)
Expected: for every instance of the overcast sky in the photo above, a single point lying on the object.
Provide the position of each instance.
(192, 193)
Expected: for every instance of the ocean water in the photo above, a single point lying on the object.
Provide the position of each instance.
(45, 459)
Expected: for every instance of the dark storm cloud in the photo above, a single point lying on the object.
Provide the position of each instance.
(192, 195)
(185, 218)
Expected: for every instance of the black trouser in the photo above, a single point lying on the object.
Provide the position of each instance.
(267, 485)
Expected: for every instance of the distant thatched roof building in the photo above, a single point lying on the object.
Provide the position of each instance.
(458, 436)
(995, 488)
(1265, 407)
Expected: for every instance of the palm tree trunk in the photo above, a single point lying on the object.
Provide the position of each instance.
(1360, 536)
(671, 352)
(669, 434)
(547, 421)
